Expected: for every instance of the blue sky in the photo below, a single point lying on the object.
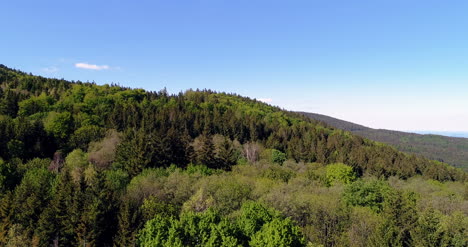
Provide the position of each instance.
(386, 64)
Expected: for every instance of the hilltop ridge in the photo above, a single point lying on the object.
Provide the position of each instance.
(452, 150)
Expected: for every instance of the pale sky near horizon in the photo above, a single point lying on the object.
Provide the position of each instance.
(398, 64)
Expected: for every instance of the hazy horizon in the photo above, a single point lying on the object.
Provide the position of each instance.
(394, 65)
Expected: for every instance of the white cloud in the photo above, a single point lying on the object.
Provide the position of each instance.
(91, 66)
(50, 70)
(265, 100)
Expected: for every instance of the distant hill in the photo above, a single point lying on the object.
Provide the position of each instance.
(451, 150)
(443, 133)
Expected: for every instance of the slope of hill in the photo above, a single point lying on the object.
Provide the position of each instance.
(452, 150)
(89, 165)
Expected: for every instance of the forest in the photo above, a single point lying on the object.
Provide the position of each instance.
(451, 150)
(83, 164)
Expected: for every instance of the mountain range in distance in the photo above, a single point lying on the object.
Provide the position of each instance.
(448, 147)
(459, 134)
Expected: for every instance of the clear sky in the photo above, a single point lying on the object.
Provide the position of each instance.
(382, 63)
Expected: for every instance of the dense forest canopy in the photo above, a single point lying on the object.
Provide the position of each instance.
(89, 165)
(451, 150)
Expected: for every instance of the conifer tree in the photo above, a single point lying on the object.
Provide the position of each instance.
(206, 154)
(226, 155)
(6, 206)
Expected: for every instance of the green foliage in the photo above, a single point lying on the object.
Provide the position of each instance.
(206, 153)
(8, 177)
(278, 173)
(89, 165)
(367, 194)
(16, 148)
(156, 232)
(400, 216)
(227, 194)
(209, 228)
(226, 156)
(278, 156)
(253, 216)
(339, 173)
(31, 196)
(22, 168)
(152, 206)
(199, 169)
(76, 158)
(428, 230)
(192, 229)
(59, 124)
(455, 229)
(117, 180)
(34, 105)
(84, 135)
(278, 233)
(364, 223)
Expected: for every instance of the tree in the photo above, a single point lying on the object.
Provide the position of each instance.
(58, 221)
(367, 194)
(399, 212)
(135, 152)
(226, 155)
(428, 230)
(59, 124)
(278, 233)
(129, 220)
(16, 148)
(251, 152)
(206, 154)
(31, 197)
(278, 157)
(339, 173)
(8, 176)
(6, 216)
(253, 216)
(84, 135)
(35, 104)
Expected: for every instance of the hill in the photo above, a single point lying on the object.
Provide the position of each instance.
(103, 165)
(452, 150)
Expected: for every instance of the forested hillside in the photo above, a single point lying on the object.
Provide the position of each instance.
(452, 150)
(89, 165)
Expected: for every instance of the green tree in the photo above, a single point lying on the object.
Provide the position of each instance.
(84, 135)
(206, 154)
(6, 216)
(16, 148)
(8, 176)
(253, 216)
(399, 212)
(339, 173)
(59, 124)
(31, 197)
(58, 221)
(428, 230)
(129, 221)
(226, 156)
(35, 104)
(367, 194)
(278, 233)
(192, 229)
(278, 157)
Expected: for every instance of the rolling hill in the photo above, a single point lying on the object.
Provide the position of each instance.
(83, 164)
(451, 150)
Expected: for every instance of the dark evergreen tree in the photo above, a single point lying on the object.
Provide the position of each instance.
(226, 155)
(206, 154)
